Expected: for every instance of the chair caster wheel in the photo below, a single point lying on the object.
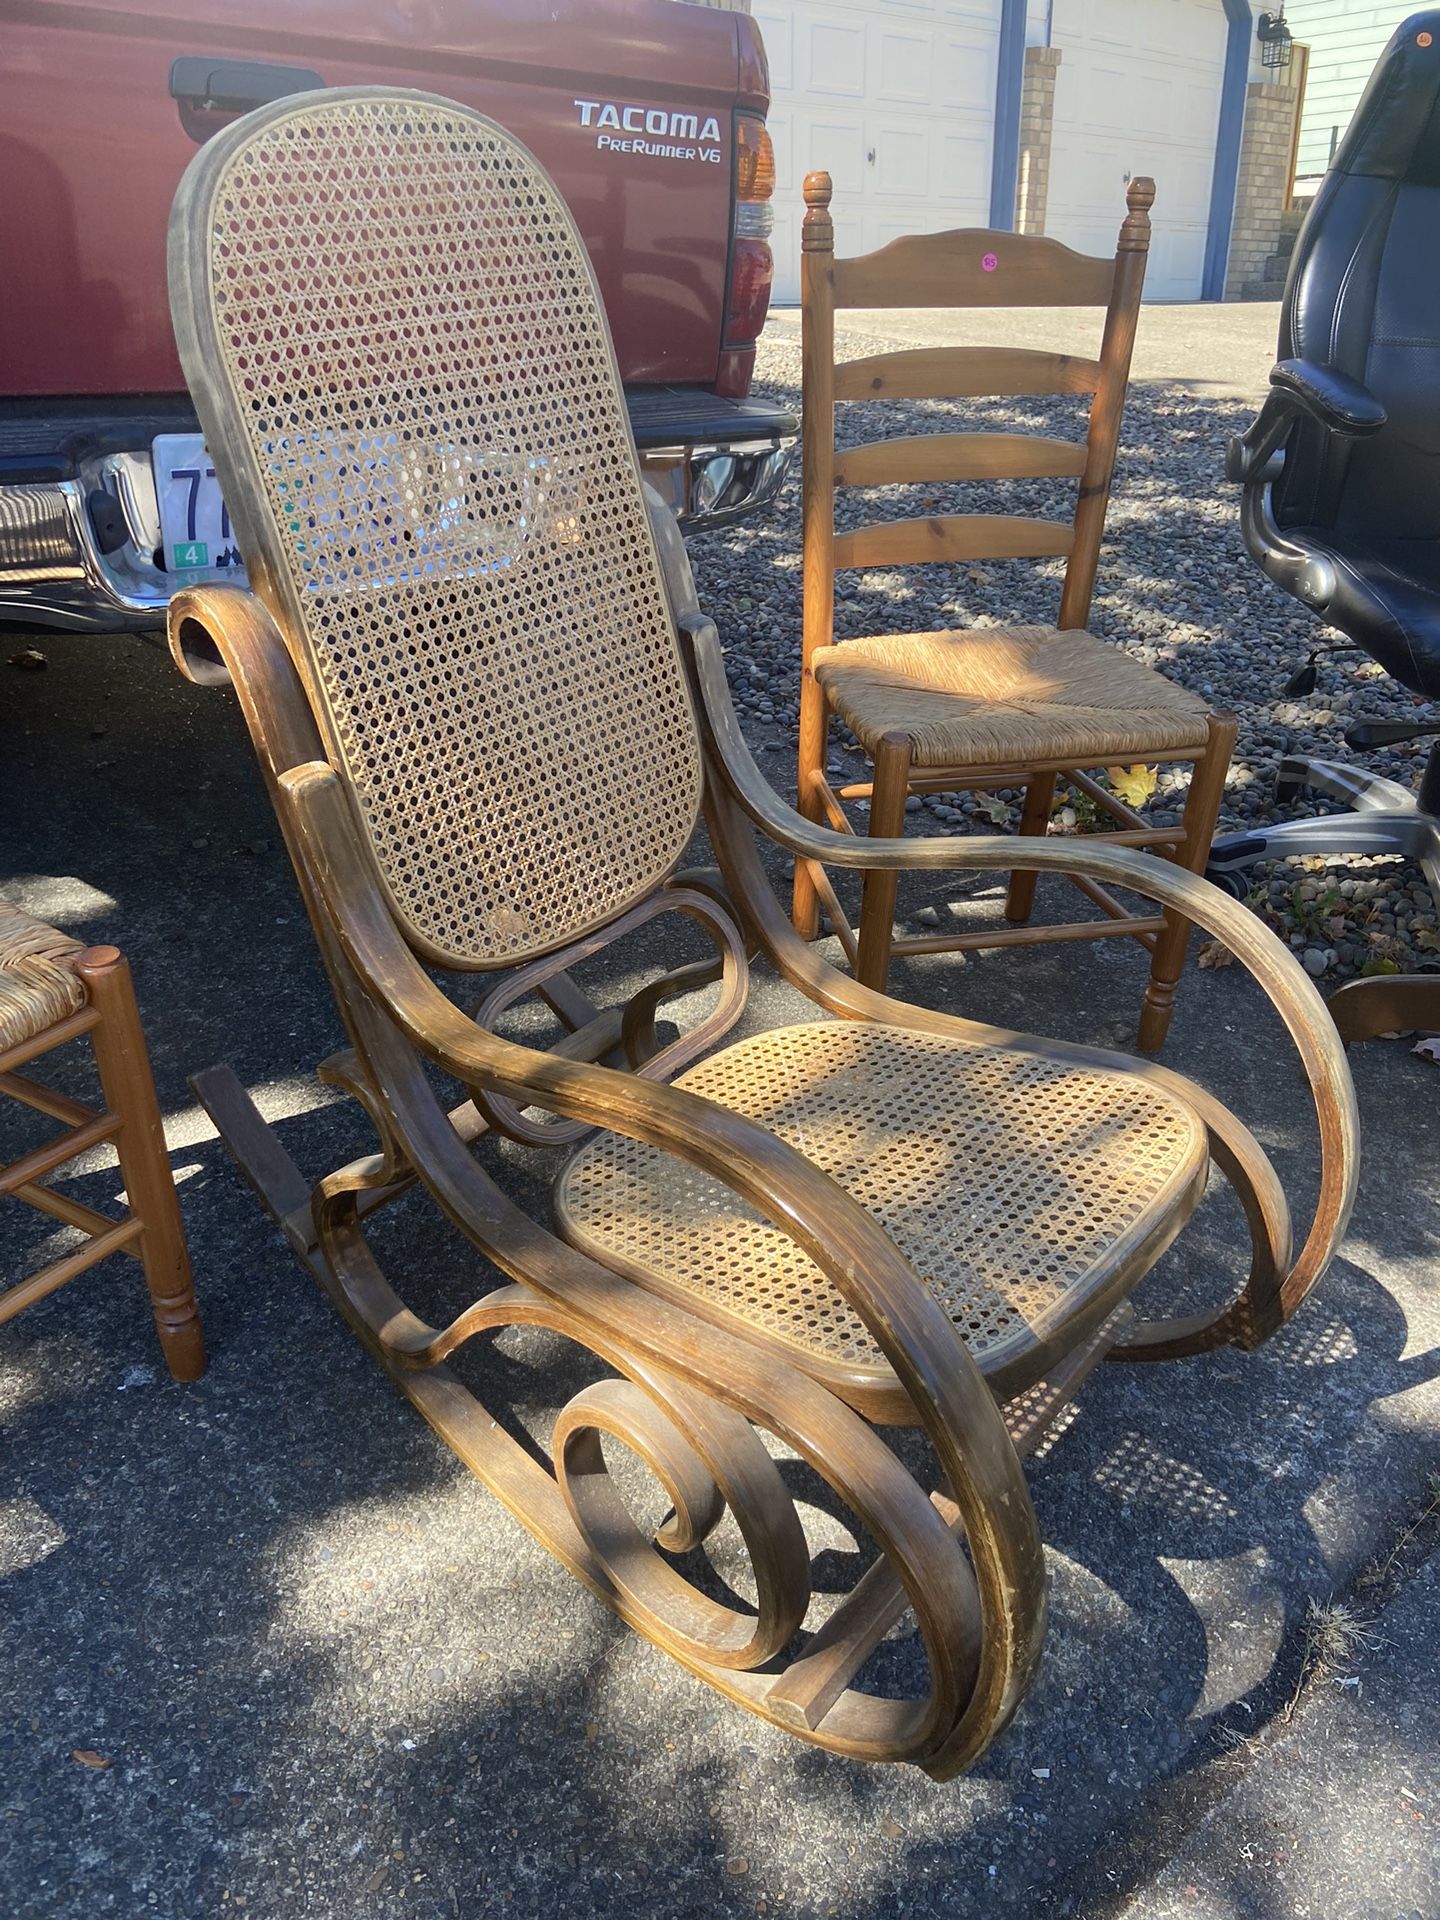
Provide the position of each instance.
(1230, 881)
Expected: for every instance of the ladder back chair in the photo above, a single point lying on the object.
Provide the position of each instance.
(992, 707)
(53, 990)
(490, 710)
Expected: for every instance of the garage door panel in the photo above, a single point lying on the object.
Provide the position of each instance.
(965, 66)
(836, 145)
(904, 66)
(1137, 92)
(965, 159)
(896, 99)
(832, 59)
(777, 30)
(902, 161)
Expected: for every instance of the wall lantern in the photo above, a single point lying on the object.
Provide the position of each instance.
(1275, 39)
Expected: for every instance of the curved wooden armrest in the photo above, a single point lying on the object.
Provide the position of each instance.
(1283, 981)
(942, 1381)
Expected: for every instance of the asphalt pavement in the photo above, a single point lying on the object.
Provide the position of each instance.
(266, 1649)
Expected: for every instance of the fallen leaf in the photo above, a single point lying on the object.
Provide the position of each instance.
(1377, 964)
(30, 660)
(1427, 939)
(1215, 953)
(1133, 785)
(994, 809)
(88, 1757)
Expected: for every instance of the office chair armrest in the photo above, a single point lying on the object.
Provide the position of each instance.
(1340, 404)
(1301, 387)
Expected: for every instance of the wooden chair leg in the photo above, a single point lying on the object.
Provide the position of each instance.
(1034, 819)
(814, 733)
(129, 1090)
(887, 822)
(1202, 811)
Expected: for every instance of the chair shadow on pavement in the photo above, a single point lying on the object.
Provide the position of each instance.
(322, 1659)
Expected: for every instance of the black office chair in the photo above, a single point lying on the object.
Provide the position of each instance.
(1341, 469)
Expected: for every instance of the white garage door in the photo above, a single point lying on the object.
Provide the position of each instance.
(1138, 91)
(896, 100)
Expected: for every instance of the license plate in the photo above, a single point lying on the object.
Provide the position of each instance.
(194, 523)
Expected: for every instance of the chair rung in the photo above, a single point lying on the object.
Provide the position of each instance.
(34, 1166)
(32, 1093)
(68, 1029)
(60, 1206)
(834, 912)
(15, 1299)
(1103, 898)
(839, 819)
(1141, 929)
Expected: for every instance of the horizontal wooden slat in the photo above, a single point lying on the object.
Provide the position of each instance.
(26, 1292)
(1143, 929)
(952, 536)
(955, 373)
(959, 456)
(974, 267)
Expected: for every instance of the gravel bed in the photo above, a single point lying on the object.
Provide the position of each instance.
(1176, 588)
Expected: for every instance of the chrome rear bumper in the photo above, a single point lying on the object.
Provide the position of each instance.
(56, 570)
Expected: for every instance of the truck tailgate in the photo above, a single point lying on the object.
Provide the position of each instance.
(93, 146)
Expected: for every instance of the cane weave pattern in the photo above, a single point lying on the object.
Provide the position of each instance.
(1007, 696)
(420, 371)
(1008, 1180)
(37, 984)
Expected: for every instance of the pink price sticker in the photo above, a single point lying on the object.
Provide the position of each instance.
(989, 263)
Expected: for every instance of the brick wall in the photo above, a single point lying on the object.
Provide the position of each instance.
(1037, 115)
(1262, 184)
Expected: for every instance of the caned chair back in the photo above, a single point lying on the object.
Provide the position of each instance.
(400, 360)
(967, 268)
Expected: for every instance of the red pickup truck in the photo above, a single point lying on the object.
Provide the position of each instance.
(650, 116)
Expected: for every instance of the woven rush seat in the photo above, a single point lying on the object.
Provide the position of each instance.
(1002, 696)
(1016, 1185)
(37, 985)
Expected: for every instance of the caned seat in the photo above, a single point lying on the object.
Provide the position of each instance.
(1002, 696)
(1019, 1186)
(38, 986)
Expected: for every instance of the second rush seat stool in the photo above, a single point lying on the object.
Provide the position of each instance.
(1001, 706)
(54, 989)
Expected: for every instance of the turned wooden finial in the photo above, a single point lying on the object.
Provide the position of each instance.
(817, 234)
(1139, 198)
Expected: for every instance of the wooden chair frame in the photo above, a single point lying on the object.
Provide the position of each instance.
(982, 1645)
(974, 269)
(149, 1231)
(964, 1552)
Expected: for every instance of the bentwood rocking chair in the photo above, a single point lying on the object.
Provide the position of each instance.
(997, 707)
(490, 711)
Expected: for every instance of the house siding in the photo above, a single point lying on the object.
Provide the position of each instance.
(1345, 41)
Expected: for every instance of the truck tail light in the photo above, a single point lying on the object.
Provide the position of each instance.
(752, 267)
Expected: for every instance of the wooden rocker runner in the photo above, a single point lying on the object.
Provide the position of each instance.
(490, 713)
